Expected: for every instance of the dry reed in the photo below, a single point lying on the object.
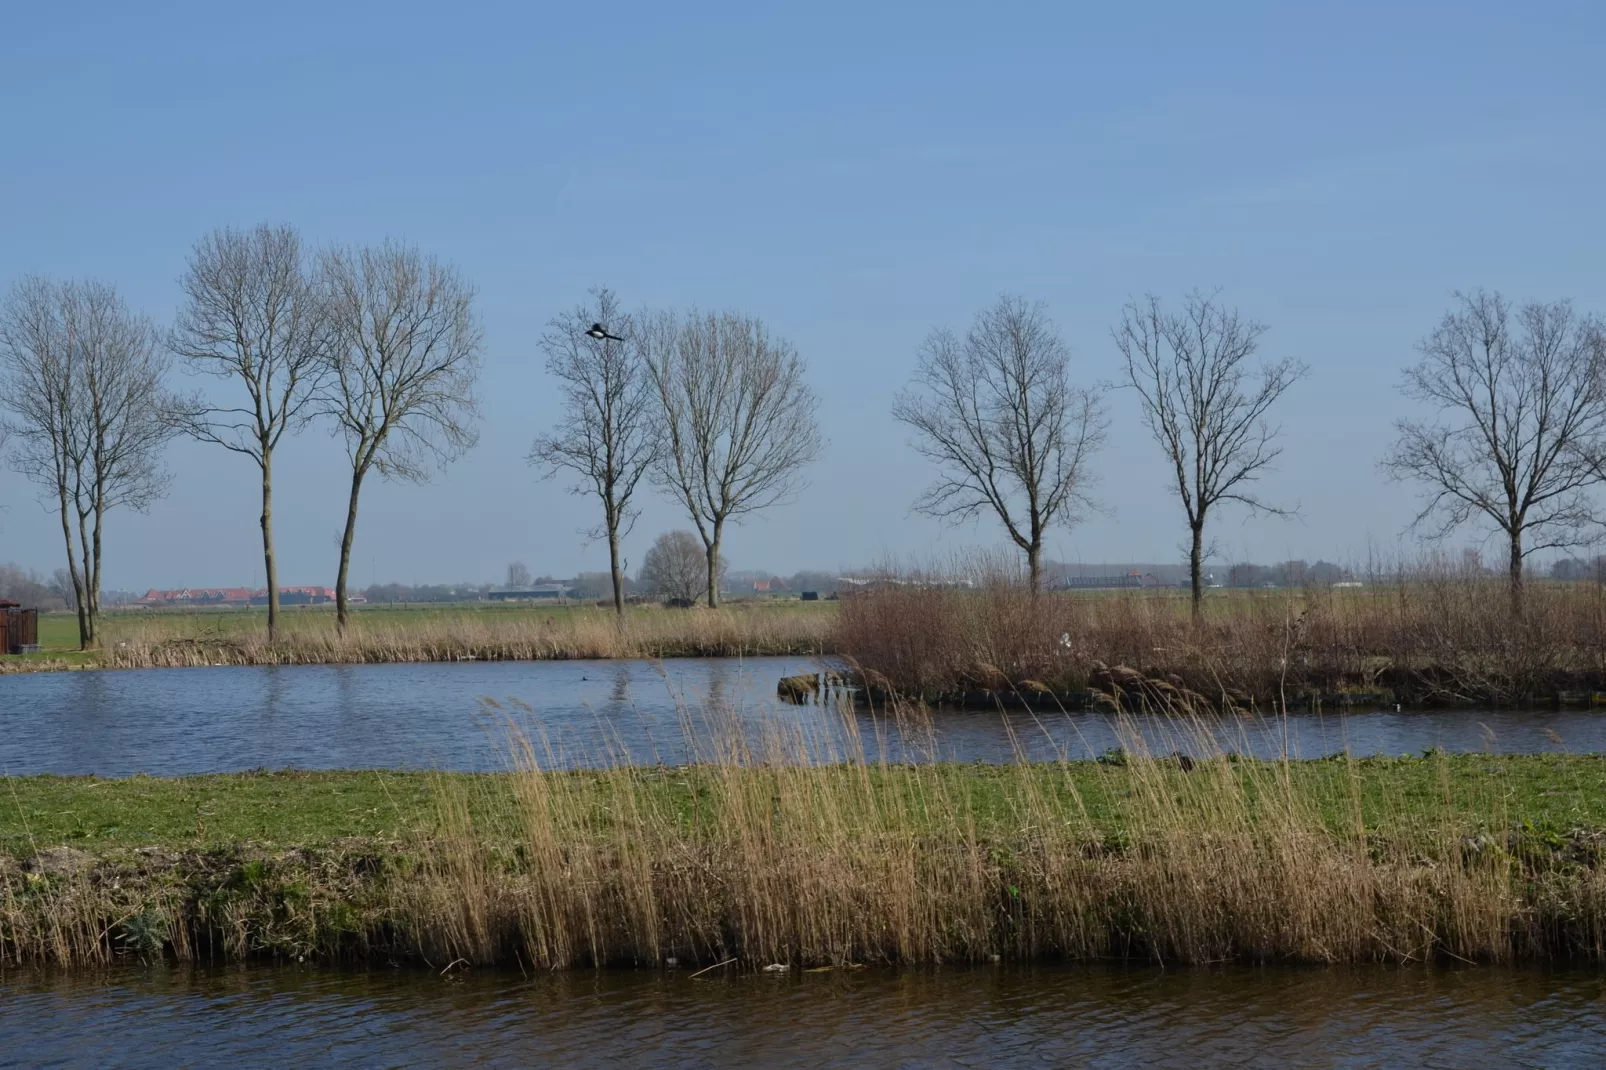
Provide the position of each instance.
(799, 851)
(1425, 637)
(172, 640)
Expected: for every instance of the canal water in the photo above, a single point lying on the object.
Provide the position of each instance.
(170, 722)
(998, 1016)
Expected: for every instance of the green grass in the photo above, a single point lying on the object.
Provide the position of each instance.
(1555, 792)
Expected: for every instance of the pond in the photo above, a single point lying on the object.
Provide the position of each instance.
(988, 1016)
(171, 722)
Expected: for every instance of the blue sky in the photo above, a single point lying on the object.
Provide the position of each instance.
(855, 174)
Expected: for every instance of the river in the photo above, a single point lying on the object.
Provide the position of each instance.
(990, 1016)
(169, 722)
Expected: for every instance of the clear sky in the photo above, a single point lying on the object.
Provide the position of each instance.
(855, 174)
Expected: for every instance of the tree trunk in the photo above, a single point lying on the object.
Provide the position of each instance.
(713, 565)
(1196, 569)
(1034, 566)
(72, 570)
(1516, 573)
(614, 570)
(342, 605)
(94, 579)
(86, 602)
(267, 546)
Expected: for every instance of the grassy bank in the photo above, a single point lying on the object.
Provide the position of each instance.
(1467, 857)
(1423, 640)
(167, 638)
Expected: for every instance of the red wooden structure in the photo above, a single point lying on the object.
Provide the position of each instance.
(19, 628)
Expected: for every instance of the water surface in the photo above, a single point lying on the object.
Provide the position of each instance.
(179, 721)
(999, 1016)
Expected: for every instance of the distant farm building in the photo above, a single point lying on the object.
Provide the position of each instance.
(539, 592)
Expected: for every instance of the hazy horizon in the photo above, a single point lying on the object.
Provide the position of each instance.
(856, 177)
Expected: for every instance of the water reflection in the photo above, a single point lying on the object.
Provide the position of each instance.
(178, 721)
(981, 1017)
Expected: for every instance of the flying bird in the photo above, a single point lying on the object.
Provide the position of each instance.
(599, 332)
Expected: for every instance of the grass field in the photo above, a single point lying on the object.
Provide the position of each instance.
(290, 809)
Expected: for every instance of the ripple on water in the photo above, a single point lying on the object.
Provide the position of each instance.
(172, 722)
(1039, 1016)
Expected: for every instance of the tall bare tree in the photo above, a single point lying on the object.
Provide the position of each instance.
(606, 438)
(253, 318)
(86, 400)
(995, 411)
(1521, 398)
(736, 420)
(403, 361)
(1206, 406)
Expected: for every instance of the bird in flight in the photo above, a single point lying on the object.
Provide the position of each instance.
(599, 332)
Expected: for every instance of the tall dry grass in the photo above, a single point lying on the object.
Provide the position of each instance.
(1429, 636)
(162, 640)
(798, 851)
(765, 858)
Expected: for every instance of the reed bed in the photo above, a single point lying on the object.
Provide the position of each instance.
(175, 640)
(1423, 638)
(794, 852)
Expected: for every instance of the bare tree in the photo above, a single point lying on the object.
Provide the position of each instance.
(607, 437)
(88, 406)
(403, 360)
(736, 420)
(1206, 406)
(996, 412)
(518, 575)
(1522, 429)
(252, 317)
(61, 583)
(676, 568)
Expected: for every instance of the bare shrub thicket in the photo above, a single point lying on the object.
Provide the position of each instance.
(1428, 633)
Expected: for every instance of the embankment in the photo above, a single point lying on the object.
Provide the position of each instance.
(1434, 858)
(184, 640)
